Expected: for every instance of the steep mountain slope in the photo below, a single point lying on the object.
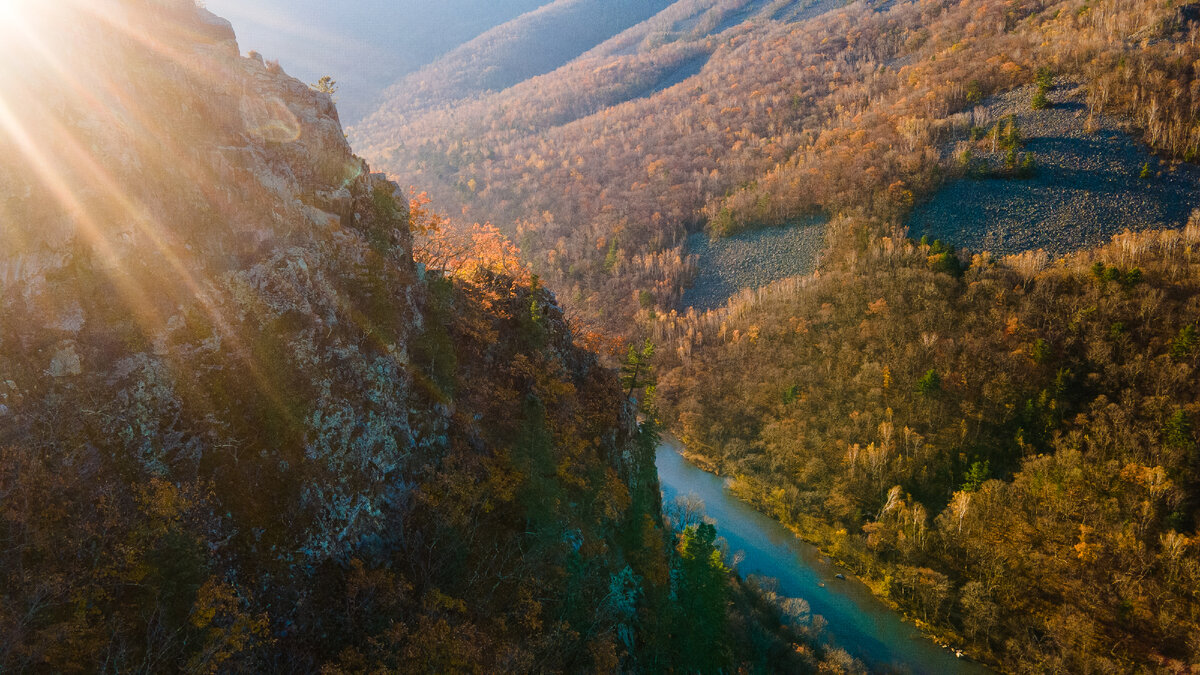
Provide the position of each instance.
(532, 44)
(459, 151)
(239, 428)
(366, 45)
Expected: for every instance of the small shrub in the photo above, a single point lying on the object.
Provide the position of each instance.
(976, 476)
(1184, 344)
(1045, 79)
(946, 263)
(974, 91)
(1040, 351)
(325, 85)
(930, 383)
(1027, 167)
(965, 159)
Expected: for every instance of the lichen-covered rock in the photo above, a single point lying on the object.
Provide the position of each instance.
(65, 362)
(187, 242)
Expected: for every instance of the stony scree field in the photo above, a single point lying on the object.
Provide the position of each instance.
(751, 259)
(1087, 185)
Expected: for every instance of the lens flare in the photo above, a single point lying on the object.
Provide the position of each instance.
(14, 15)
(10, 8)
(91, 139)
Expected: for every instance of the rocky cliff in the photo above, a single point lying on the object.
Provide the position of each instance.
(239, 428)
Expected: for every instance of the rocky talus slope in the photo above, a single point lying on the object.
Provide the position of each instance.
(1087, 186)
(751, 260)
(239, 428)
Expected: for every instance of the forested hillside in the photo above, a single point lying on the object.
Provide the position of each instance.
(241, 430)
(1007, 447)
(533, 44)
(599, 169)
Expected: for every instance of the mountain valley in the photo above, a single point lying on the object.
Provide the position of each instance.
(379, 374)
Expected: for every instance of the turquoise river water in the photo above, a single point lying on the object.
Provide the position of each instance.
(857, 621)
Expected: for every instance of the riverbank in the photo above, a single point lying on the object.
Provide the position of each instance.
(859, 614)
(834, 542)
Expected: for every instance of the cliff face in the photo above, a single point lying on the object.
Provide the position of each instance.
(125, 116)
(187, 221)
(238, 427)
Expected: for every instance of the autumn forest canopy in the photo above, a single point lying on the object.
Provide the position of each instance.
(283, 395)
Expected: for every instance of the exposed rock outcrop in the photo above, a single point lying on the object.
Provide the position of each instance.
(216, 348)
(162, 244)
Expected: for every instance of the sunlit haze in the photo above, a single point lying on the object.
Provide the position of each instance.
(365, 45)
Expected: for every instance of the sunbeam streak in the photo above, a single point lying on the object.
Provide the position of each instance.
(94, 143)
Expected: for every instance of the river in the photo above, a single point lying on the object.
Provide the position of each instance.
(857, 621)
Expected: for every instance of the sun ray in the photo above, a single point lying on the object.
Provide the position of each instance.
(88, 196)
